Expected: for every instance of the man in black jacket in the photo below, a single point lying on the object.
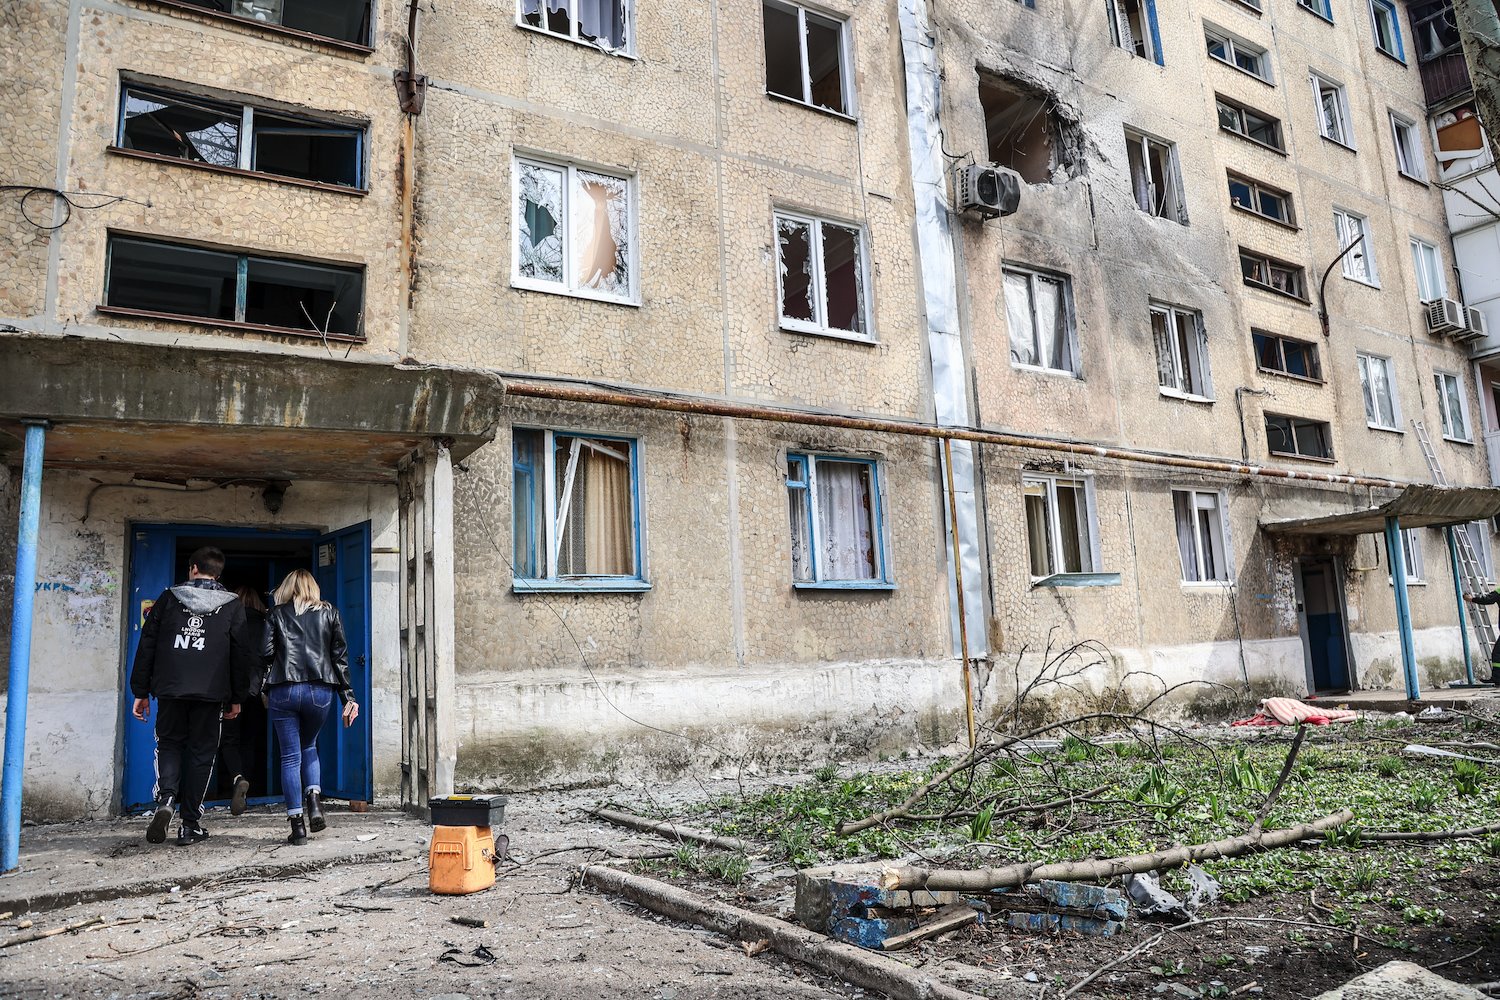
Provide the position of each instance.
(1493, 597)
(194, 658)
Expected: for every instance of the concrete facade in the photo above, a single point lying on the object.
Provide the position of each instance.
(711, 652)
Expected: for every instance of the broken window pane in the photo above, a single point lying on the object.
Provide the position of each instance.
(347, 20)
(844, 271)
(1051, 324)
(821, 273)
(595, 523)
(1058, 526)
(1018, 316)
(186, 128)
(539, 221)
(796, 484)
(794, 248)
(825, 60)
(1038, 528)
(846, 520)
(309, 150)
(527, 514)
(161, 277)
(1153, 177)
(1021, 130)
(1073, 526)
(302, 296)
(1201, 542)
(601, 245)
(783, 52)
(804, 56)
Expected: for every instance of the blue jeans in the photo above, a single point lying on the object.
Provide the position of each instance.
(297, 713)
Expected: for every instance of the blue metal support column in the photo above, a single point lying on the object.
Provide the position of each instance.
(1463, 611)
(20, 647)
(1397, 553)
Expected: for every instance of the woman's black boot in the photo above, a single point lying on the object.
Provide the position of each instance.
(312, 808)
(298, 836)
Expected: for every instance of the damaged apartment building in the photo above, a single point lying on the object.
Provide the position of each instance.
(629, 372)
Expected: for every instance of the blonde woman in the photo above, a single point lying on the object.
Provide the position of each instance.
(309, 664)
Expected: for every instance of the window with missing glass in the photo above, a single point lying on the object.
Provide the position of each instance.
(196, 283)
(1410, 155)
(1248, 123)
(1353, 230)
(1273, 275)
(837, 533)
(1243, 55)
(1453, 407)
(1296, 437)
(575, 230)
(1286, 355)
(1261, 199)
(822, 279)
(607, 24)
(1427, 261)
(1202, 536)
(806, 57)
(341, 20)
(1039, 312)
(1378, 385)
(1436, 28)
(1333, 111)
(231, 135)
(1181, 352)
(1132, 27)
(1060, 532)
(1385, 21)
(1155, 179)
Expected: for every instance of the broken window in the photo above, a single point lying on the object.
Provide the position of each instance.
(1263, 200)
(1333, 111)
(1286, 355)
(1435, 28)
(575, 230)
(1154, 177)
(821, 276)
(1132, 27)
(1249, 123)
(1377, 383)
(1351, 229)
(1322, 8)
(1039, 312)
(225, 134)
(605, 23)
(1295, 437)
(1237, 52)
(1428, 263)
(159, 277)
(345, 20)
(575, 508)
(805, 59)
(1181, 352)
(1386, 24)
(1273, 275)
(1409, 151)
(1021, 130)
(1202, 535)
(1453, 407)
(1060, 536)
(836, 522)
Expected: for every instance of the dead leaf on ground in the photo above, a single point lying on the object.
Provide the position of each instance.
(753, 948)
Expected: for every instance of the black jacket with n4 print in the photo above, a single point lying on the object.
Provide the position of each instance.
(194, 646)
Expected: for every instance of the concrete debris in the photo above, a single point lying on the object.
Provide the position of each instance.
(1401, 981)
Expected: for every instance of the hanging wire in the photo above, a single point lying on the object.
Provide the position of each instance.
(69, 204)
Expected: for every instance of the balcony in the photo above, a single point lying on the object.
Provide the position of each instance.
(1445, 77)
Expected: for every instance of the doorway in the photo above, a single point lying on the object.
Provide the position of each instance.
(1325, 632)
(258, 559)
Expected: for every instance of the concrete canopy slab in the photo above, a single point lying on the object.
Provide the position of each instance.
(1418, 506)
(224, 414)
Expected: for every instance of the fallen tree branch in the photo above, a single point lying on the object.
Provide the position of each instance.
(984, 879)
(1067, 800)
(674, 832)
(77, 925)
(1286, 769)
(1430, 836)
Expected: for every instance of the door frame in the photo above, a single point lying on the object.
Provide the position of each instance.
(1336, 569)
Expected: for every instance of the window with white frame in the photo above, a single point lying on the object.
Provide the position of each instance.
(1060, 535)
(1359, 263)
(1377, 383)
(575, 230)
(1478, 535)
(1202, 535)
(1237, 52)
(1386, 23)
(1132, 27)
(1333, 111)
(1039, 312)
(1411, 553)
(821, 276)
(575, 509)
(605, 23)
(806, 57)
(1428, 263)
(1273, 275)
(1453, 407)
(1155, 178)
(1181, 352)
(1410, 156)
(836, 521)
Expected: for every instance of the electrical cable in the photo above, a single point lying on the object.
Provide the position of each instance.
(67, 199)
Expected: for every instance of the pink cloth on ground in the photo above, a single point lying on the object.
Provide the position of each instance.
(1289, 711)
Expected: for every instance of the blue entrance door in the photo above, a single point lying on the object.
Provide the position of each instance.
(152, 550)
(343, 571)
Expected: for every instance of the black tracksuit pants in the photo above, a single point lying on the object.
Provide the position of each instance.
(187, 741)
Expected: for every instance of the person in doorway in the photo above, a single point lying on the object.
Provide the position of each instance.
(194, 660)
(309, 664)
(231, 742)
(1493, 597)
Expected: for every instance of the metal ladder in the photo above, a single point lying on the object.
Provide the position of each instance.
(1468, 566)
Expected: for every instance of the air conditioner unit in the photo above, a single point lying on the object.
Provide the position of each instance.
(990, 190)
(1477, 324)
(1445, 316)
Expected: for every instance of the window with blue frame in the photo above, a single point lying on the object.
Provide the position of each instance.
(1322, 8)
(575, 510)
(837, 531)
(1132, 27)
(1386, 23)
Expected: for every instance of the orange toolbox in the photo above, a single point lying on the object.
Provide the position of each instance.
(464, 849)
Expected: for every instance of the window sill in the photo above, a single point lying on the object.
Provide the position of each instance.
(622, 53)
(1265, 218)
(1174, 217)
(1276, 291)
(1053, 372)
(601, 585)
(1303, 458)
(1415, 179)
(813, 331)
(1246, 5)
(1387, 430)
(227, 324)
(1409, 583)
(353, 48)
(1186, 397)
(1057, 580)
(1240, 70)
(845, 585)
(1453, 440)
(1291, 375)
(1254, 142)
(1334, 142)
(260, 175)
(1393, 57)
(1363, 281)
(841, 116)
(1206, 586)
(547, 288)
(1326, 18)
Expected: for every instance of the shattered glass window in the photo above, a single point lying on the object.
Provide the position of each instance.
(346, 20)
(539, 221)
(794, 252)
(1040, 320)
(845, 277)
(574, 229)
(601, 242)
(596, 22)
(181, 127)
(821, 276)
(805, 56)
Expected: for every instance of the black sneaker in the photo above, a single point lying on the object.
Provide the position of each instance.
(241, 793)
(190, 833)
(156, 833)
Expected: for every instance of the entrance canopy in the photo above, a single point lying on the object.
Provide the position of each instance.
(218, 414)
(1417, 506)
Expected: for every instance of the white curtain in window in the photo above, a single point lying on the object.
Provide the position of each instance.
(1018, 317)
(1051, 320)
(845, 520)
(1187, 547)
(1038, 530)
(601, 19)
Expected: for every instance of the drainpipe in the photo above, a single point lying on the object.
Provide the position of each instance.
(1463, 611)
(1403, 606)
(20, 647)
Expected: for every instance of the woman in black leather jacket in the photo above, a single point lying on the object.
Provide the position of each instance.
(309, 663)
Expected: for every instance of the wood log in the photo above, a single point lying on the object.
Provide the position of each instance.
(984, 879)
(77, 925)
(949, 918)
(674, 832)
(1429, 836)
